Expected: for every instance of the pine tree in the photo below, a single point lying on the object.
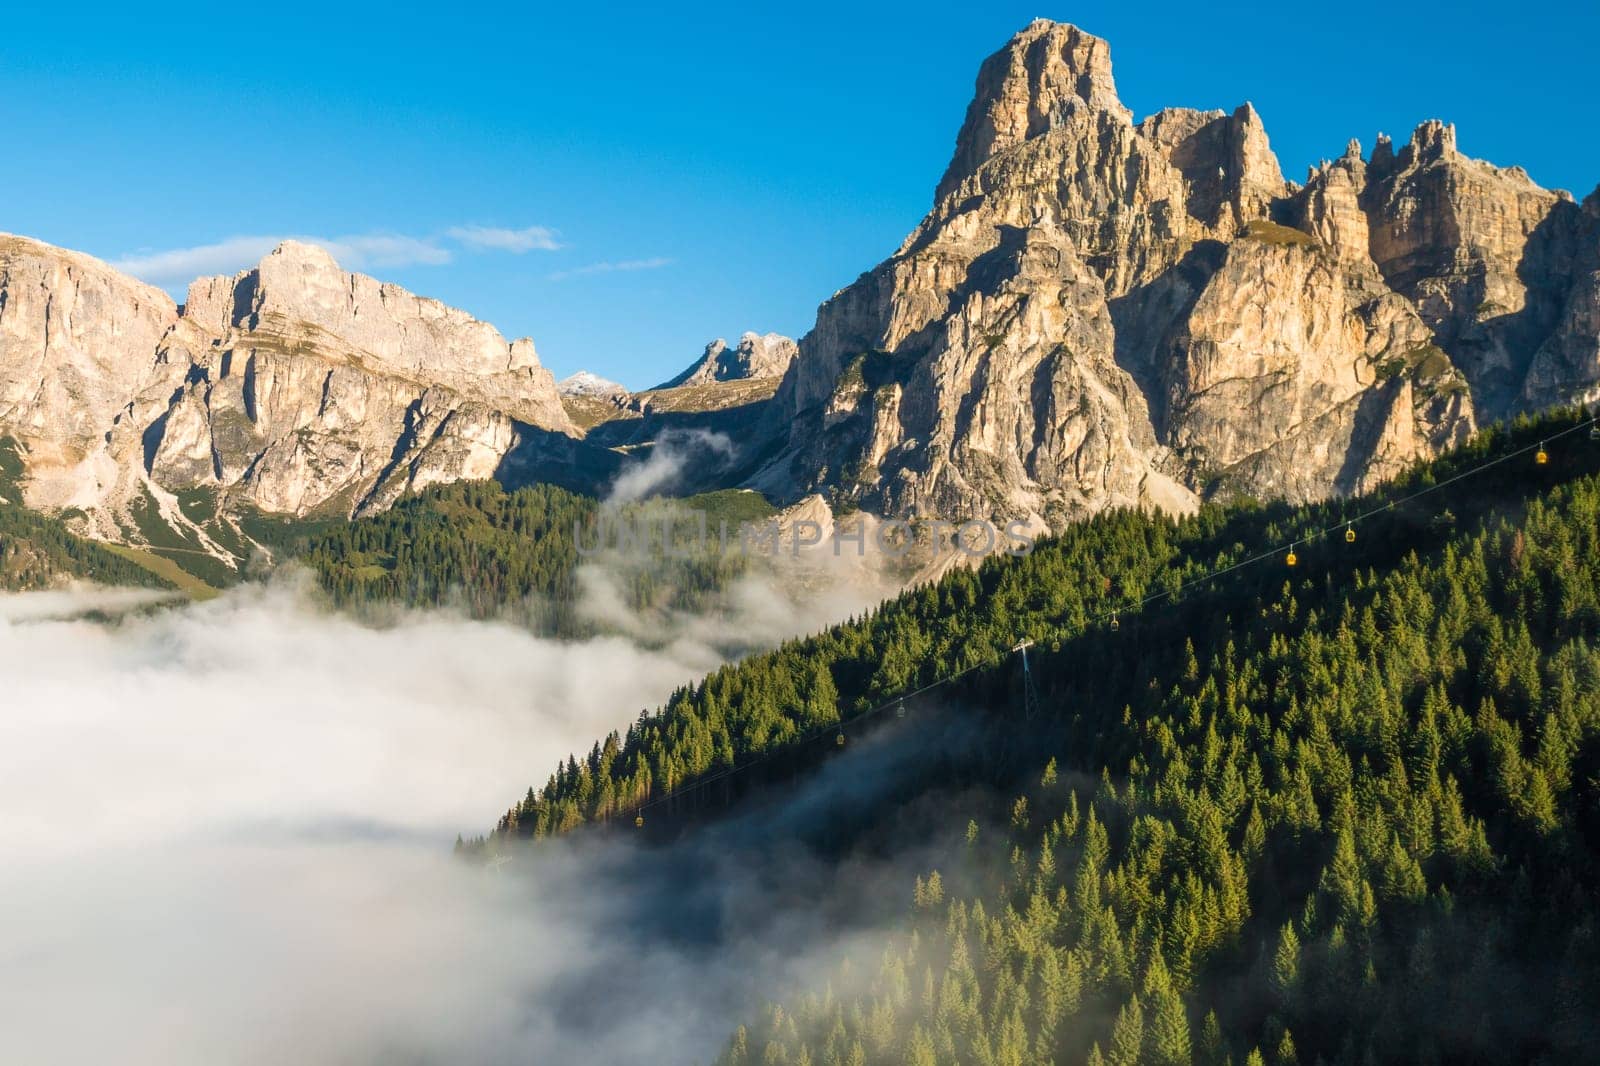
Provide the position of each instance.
(1169, 1032)
(1286, 965)
(1213, 1048)
(1127, 1035)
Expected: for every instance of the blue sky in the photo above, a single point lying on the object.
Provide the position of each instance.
(622, 184)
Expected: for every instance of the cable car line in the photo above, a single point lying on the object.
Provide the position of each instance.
(836, 729)
(1112, 617)
(1592, 424)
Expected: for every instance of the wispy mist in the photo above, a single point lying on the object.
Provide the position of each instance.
(669, 459)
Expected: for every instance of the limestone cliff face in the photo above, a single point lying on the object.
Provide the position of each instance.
(293, 387)
(1099, 312)
(1013, 402)
(318, 389)
(77, 344)
(1292, 375)
(1048, 74)
(299, 298)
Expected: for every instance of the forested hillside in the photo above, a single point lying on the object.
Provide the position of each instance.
(491, 552)
(470, 544)
(1343, 811)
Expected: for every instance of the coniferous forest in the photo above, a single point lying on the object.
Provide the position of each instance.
(497, 553)
(1343, 811)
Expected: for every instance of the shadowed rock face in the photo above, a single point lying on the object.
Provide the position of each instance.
(1099, 313)
(1566, 367)
(293, 387)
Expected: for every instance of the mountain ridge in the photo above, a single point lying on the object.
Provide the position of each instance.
(1095, 312)
(291, 387)
(1098, 312)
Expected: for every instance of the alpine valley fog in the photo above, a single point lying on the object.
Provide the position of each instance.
(228, 839)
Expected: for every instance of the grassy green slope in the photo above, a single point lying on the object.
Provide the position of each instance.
(163, 569)
(37, 551)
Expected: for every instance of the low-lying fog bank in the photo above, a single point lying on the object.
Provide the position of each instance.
(227, 835)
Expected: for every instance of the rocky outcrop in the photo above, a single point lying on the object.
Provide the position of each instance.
(757, 356)
(1013, 403)
(1292, 372)
(1482, 252)
(322, 390)
(1226, 161)
(1049, 74)
(293, 387)
(1099, 312)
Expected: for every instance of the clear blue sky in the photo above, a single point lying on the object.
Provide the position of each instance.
(703, 169)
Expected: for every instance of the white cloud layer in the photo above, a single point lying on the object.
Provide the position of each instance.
(227, 838)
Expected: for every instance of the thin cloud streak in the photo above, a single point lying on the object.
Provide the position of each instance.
(517, 241)
(177, 267)
(612, 267)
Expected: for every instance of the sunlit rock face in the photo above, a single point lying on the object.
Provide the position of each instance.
(1484, 254)
(78, 348)
(292, 387)
(1101, 312)
(755, 357)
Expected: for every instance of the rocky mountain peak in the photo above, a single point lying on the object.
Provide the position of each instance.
(288, 272)
(293, 386)
(588, 383)
(757, 356)
(300, 255)
(1045, 74)
(1098, 313)
(1431, 140)
(299, 295)
(1432, 144)
(1226, 161)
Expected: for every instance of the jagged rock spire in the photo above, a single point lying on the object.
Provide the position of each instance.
(1044, 74)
